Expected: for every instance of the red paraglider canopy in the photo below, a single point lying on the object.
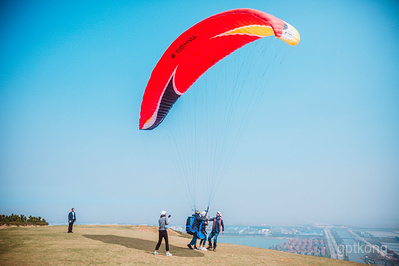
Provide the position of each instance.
(198, 49)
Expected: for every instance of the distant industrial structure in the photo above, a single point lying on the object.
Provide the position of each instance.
(313, 247)
(391, 248)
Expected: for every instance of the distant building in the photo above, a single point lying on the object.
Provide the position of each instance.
(391, 248)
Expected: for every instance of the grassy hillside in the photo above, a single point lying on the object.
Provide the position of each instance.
(113, 244)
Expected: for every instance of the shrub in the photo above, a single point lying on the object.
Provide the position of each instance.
(21, 220)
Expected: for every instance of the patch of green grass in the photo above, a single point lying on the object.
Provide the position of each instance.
(182, 234)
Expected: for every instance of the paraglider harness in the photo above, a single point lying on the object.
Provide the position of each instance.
(201, 233)
(191, 230)
(189, 225)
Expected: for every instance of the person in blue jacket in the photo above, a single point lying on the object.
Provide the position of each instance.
(196, 224)
(217, 226)
(71, 220)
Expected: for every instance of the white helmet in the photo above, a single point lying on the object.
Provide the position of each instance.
(163, 212)
(203, 214)
(219, 213)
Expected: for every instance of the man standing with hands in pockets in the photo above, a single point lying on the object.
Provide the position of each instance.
(71, 220)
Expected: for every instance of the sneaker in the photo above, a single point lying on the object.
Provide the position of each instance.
(195, 247)
(189, 246)
(168, 254)
(209, 247)
(155, 252)
(204, 249)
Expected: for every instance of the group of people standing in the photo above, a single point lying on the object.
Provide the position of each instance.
(199, 224)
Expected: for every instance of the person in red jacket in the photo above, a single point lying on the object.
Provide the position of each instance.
(217, 226)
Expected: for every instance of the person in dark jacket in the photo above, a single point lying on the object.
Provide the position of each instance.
(163, 233)
(71, 220)
(195, 226)
(217, 226)
(197, 221)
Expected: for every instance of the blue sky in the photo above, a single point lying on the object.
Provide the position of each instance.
(71, 82)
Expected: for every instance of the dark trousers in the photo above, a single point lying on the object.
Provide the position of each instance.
(194, 240)
(163, 234)
(70, 227)
(203, 241)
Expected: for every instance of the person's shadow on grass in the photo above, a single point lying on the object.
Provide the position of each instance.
(145, 245)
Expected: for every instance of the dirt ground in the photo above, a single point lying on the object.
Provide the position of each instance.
(114, 244)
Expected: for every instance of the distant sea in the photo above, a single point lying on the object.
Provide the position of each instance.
(250, 241)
